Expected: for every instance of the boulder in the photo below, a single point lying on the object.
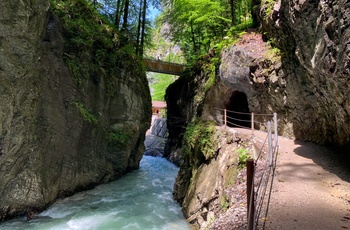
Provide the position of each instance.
(159, 128)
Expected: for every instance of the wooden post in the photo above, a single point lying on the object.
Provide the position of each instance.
(269, 138)
(252, 124)
(225, 118)
(250, 194)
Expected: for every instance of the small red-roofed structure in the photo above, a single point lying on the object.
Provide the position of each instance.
(158, 108)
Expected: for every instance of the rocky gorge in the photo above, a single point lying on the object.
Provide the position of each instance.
(71, 119)
(65, 125)
(296, 64)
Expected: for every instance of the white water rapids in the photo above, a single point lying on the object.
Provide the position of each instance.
(141, 199)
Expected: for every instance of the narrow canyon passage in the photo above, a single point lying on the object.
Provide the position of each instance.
(141, 199)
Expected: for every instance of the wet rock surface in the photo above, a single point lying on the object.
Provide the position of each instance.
(154, 146)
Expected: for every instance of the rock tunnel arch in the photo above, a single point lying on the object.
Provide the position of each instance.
(238, 114)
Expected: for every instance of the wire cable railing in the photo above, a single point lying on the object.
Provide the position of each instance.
(230, 120)
(258, 181)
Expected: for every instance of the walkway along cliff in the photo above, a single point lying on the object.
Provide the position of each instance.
(73, 114)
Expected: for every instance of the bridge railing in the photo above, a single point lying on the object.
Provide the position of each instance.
(260, 169)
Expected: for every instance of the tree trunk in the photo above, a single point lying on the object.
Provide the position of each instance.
(117, 14)
(255, 12)
(232, 10)
(139, 30)
(126, 14)
(143, 26)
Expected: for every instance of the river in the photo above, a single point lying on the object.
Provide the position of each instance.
(141, 199)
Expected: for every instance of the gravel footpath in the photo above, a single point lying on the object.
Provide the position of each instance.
(311, 188)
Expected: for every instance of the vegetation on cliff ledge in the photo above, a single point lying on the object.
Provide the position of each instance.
(200, 141)
(93, 48)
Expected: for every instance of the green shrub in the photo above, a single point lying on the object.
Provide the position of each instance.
(243, 156)
(159, 83)
(200, 141)
(269, 7)
(93, 47)
(225, 203)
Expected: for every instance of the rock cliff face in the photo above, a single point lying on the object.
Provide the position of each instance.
(314, 38)
(57, 137)
(184, 100)
(305, 80)
(156, 138)
(159, 128)
(209, 158)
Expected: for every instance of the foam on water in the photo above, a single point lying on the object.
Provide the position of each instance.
(156, 183)
(141, 199)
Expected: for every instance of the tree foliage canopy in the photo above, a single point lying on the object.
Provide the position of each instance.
(130, 18)
(198, 25)
(195, 25)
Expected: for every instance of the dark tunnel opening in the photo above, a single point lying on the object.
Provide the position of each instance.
(238, 114)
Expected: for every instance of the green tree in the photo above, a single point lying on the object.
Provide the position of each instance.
(125, 15)
(118, 13)
(129, 17)
(143, 27)
(198, 25)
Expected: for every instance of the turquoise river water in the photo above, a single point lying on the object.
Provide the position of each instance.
(141, 199)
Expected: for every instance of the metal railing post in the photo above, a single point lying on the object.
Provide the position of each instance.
(275, 127)
(269, 133)
(225, 118)
(252, 124)
(250, 194)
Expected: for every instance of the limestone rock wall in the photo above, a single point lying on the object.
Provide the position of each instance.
(202, 188)
(314, 37)
(184, 100)
(57, 138)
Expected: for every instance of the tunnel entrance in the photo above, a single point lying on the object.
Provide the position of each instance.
(238, 114)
